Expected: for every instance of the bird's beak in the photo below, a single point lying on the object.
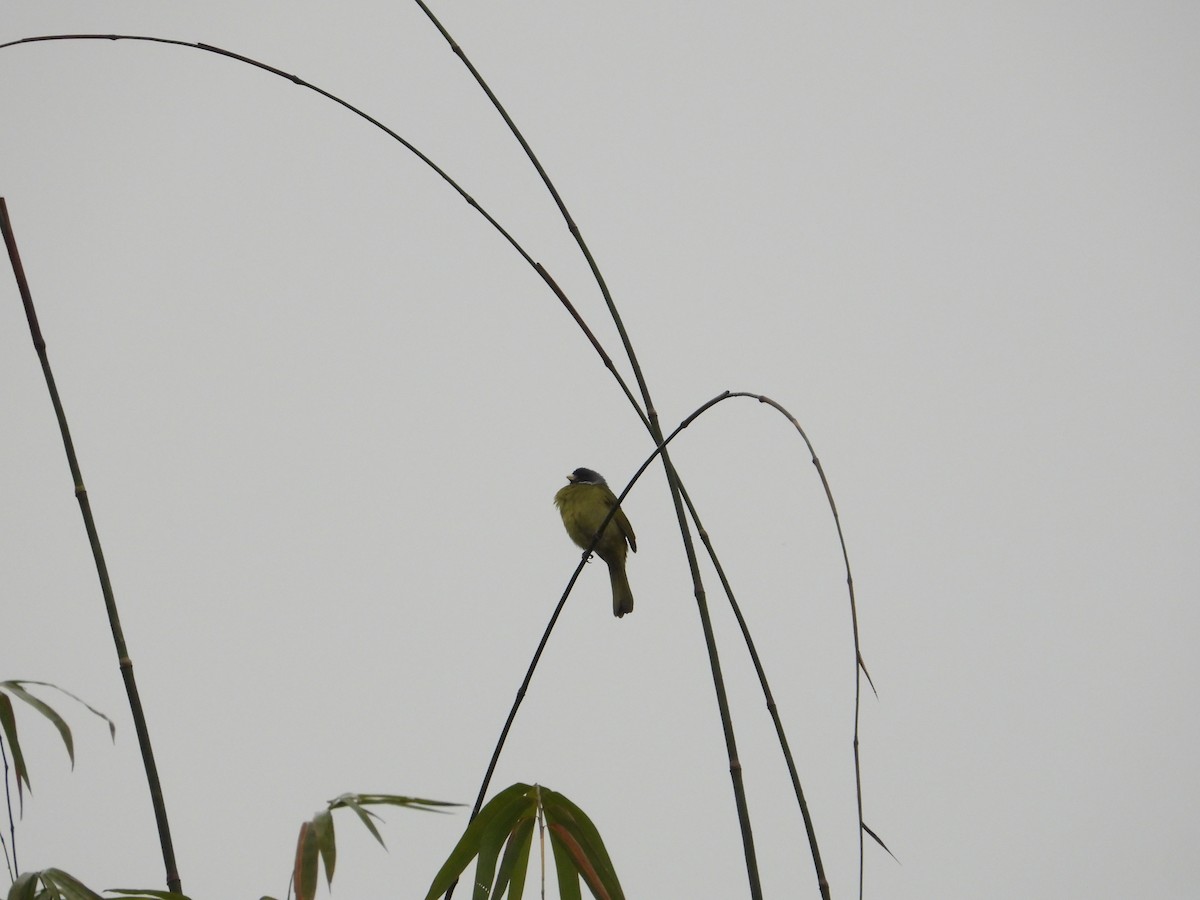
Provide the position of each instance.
(571, 478)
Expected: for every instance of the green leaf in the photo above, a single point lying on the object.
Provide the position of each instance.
(567, 843)
(505, 805)
(326, 843)
(25, 887)
(112, 726)
(8, 725)
(515, 862)
(350, 801)
(8, 722)
(590, 855)
(14, 688)
(501, 825)
(578, 849)
(317, 843)
(67, 886)
(304, 875)
(357, 802)
(390, 800)
(564, 865)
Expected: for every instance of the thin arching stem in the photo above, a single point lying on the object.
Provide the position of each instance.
(772, 709)
(10, 862)
(124, 661)
(860, 667)
(400, 139)
(650, 418)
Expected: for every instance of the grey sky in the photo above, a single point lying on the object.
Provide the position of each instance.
(322, 410)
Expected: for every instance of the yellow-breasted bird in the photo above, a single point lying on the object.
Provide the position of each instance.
(584, 503)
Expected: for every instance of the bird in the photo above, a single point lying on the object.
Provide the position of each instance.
(584, 502)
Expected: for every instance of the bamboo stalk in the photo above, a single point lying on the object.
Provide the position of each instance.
(125, 663)
(673, 481)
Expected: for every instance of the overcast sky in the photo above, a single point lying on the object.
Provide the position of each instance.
(322, 409)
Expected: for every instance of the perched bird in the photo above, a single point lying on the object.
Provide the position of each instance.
(584, 503)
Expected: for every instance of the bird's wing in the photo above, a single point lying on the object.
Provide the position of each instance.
(626, 529)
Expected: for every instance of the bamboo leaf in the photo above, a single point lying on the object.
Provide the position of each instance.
(594, 863)
(501, 826)
(8, 727)
(466, 849)
(419, 803)
(25, 887)
(878, 840)
(564, 865)
(14, 688)
(8, 722)
(304, 874)
(350, 801)
(67, 886)
(112, 726)
(485, 865)
(326, 843)
(515, 862)
(582, 860)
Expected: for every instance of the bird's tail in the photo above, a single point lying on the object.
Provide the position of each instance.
(622, 595)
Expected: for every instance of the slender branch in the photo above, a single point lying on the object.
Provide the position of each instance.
(533, 663)
(13, 868)
(772, 709)
(408, 145)
(860, 667)
(650, 419)
(110, 603)
(596, 345)
(297, 79)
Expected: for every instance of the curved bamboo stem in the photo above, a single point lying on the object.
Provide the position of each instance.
(650, 418)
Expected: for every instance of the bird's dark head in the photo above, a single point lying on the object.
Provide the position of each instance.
(586, 476)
